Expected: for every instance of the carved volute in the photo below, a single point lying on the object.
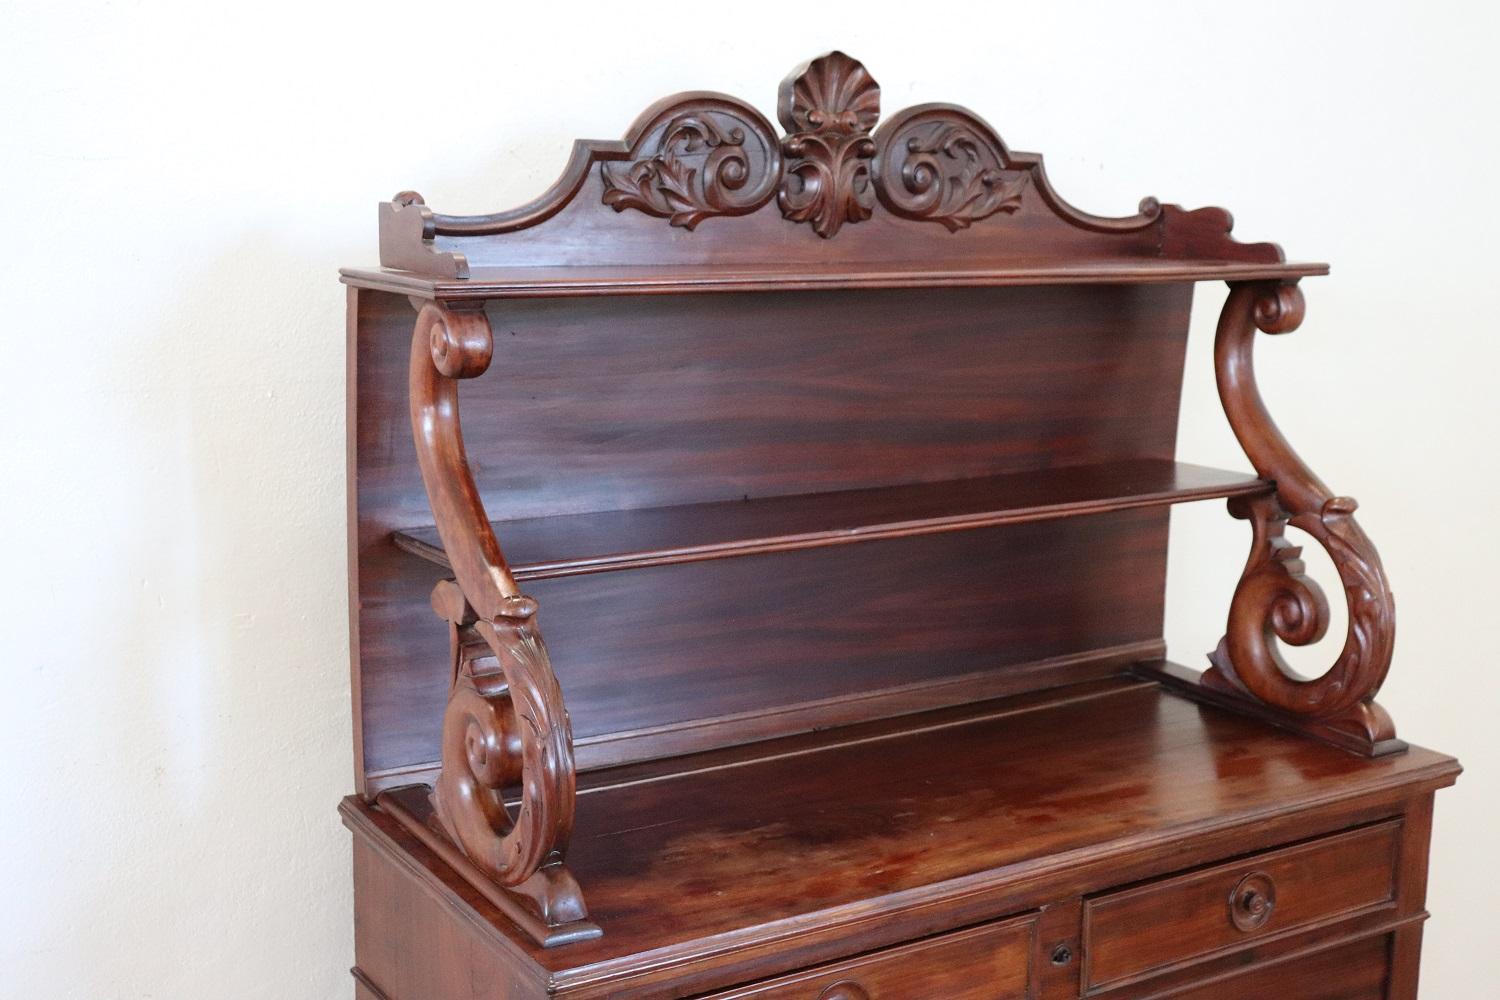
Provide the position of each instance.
(1275, 600)
(505, 724)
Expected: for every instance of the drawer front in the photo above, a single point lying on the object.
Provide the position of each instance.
(992, 962)
(1174, 921)
(1357, 971)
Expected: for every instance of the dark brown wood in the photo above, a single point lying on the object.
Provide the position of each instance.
(992, 962)
(1195, 684)
(934, 191)
(635, 654)
(1275, 599)
(1406, 943)
(505, 724)
(743, 846)
(1135, 933)
(542, 548)
(1356, 971)
(950, 759)
(895, 389)
(523, 282)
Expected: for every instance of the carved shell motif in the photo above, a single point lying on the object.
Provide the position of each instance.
(828, 108)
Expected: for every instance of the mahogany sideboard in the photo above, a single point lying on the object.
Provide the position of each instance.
(836, 464)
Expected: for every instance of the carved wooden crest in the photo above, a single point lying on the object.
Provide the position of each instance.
(698, 156)
(711, 155)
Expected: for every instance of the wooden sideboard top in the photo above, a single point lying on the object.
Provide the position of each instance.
(696, 857)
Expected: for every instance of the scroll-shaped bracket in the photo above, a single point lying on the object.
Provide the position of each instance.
(506, 729)
(1275, 600)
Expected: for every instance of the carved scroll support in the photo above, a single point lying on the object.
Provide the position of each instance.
(1275, 600)
(501, 811)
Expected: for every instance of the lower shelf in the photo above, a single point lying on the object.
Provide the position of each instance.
(903, 826)
(543, 547)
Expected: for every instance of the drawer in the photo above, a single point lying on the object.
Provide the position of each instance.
(1186, 918)
(1357, 971)
(992, 962)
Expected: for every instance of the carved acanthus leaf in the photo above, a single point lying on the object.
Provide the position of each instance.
(941, 165)
(705, 160)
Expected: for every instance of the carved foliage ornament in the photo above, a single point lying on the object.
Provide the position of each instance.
(941, 164)
(711, 155)
(828, 108)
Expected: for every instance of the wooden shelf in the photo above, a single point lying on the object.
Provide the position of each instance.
(539, 548)
(1114, 768)
(551, 282)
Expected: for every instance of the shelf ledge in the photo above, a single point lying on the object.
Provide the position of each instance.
(554, 282)
(574, 544)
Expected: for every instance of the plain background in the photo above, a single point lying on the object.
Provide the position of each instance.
(183, 179)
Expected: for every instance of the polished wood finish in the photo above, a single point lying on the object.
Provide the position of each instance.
(1136, 932)
(523, 282)
(547, 547)
(896, 390)
(1356, 971)
(931, 197)
(992, 962)
(837, 461)
(505, 723)
(1275, 600)
(743, 846)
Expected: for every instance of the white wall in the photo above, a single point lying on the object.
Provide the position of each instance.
(183, 179)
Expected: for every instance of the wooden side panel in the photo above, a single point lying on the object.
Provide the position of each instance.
(410, 946)
(623, 403)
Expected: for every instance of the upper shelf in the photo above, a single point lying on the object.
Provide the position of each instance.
(570, 545)
(558, 282)
(704, 195)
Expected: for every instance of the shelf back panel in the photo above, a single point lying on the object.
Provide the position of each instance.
(620, 403)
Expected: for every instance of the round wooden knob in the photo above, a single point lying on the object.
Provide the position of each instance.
(1252, 901)
(844, 990)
